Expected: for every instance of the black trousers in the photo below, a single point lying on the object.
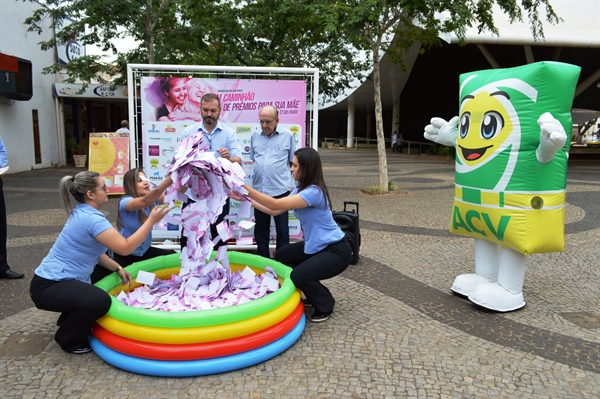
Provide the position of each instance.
(81, 305)
(213, 227)
(3, 236)
(262, 230)
(309, 269)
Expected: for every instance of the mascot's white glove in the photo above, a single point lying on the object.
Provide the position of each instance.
(552, 137)
(442, 132)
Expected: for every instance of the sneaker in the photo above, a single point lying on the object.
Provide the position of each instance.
(319, 317)
(306, 303)
(81, 351)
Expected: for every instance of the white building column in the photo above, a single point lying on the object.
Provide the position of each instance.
(351, 114)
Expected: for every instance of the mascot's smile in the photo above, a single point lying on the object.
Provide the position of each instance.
(473, 154)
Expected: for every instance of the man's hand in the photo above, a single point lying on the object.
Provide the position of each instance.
(224, 153)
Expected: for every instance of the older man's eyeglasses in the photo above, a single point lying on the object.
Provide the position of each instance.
(266, 121)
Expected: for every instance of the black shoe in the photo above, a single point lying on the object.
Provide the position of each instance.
(81, 351)
(319, 317)
(306, 303)
(10, 275)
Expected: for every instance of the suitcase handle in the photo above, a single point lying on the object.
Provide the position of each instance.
(351, 203)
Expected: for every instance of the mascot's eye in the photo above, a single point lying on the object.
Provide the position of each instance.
(465, 123)
(491, 125)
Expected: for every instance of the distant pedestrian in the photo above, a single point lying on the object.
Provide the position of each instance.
(395, 141)
(124, 127)
(400, 138)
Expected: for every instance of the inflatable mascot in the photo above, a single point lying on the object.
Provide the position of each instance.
(511, 137)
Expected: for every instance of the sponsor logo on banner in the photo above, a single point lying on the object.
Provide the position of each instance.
(248, 163)
(168, 151)
(154, 129)
(154, 163)
(156, 175)
(166, 139)
(170, 129)
(247, 150)
(153, 150)
(243, 129)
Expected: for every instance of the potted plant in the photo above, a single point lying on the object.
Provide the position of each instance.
(78, 153)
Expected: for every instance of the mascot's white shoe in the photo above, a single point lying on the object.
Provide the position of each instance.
(495, 297)
(465, 284)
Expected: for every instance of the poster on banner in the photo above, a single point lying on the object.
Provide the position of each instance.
(170, 104)
(109, 156)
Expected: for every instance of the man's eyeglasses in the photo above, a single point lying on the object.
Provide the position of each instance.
(266, 121)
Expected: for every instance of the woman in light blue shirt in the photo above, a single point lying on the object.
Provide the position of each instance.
(325, 251)
(134, 208)
(62, 281)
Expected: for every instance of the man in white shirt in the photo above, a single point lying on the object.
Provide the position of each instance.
(271, 150)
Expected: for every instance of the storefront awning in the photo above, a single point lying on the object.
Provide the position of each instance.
(91, 91)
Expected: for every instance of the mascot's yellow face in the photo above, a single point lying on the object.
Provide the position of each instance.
(484, 126)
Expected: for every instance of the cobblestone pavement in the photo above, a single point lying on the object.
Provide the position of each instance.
(397, 331)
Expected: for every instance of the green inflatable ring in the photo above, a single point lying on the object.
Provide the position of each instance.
(199, 318)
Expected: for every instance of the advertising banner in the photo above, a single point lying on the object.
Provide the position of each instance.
(170, 104)
(109, 156)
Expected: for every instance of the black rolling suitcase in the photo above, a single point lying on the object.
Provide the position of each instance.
(348, 222)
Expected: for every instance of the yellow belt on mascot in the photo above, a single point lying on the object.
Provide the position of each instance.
(527, 221)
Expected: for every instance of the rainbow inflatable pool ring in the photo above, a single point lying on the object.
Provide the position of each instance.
(200, 342)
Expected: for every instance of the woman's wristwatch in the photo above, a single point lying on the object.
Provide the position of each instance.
(119, 269)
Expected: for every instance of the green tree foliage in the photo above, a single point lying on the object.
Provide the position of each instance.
(374, 25)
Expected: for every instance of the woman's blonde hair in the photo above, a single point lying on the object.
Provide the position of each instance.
(77, 187)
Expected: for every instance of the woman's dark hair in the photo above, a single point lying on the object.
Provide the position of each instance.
(165, 85)
(130, 187)
(77, 187)
(311, 171)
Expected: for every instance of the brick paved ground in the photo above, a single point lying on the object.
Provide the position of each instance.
(397, 331)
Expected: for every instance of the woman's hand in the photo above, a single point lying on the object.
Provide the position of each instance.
(158, 213)
(235, 196)
(124, 276)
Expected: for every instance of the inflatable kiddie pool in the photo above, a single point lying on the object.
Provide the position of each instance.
(201, 342)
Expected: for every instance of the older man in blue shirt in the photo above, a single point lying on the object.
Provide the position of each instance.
(222, 140)
(272, 150)
(5, 271)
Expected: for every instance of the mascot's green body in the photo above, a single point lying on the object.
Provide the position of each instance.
(511, 161)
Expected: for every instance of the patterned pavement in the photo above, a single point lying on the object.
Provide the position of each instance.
(397, 330)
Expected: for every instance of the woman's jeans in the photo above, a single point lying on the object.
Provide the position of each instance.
(310, 269)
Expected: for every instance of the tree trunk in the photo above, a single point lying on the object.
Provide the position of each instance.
(383, 174)
(149, 39)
